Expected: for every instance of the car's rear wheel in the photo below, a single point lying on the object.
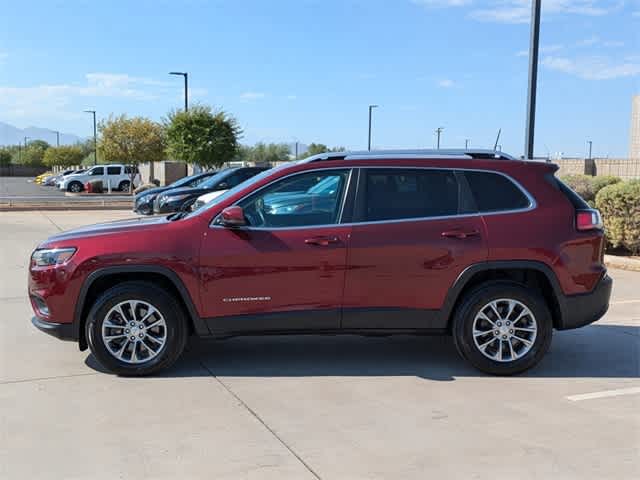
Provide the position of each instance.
(136, 328)
(75, 187)
(502, 328)
(124, 186)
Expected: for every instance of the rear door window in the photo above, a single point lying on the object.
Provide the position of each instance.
(494, 192)
(396, 194)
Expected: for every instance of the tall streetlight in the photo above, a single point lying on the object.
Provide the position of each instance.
(95, 137)
(438, 133)
(25, 141)
(371, 107)
(466, 143)
(533, 78)
(186, 88)
(590, 147)
(57, 137)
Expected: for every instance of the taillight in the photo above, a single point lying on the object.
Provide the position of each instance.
(588, 220)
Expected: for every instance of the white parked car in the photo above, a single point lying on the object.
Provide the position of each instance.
(118, 177)
(206, 198)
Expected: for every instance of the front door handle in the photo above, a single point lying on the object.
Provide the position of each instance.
(460, 234)
(322, 241)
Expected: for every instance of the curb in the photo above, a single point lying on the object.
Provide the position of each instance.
(622, 263)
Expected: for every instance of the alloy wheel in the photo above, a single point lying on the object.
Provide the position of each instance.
(134, 331)
(504, 330)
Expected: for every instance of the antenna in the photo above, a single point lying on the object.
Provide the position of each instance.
(495, 145)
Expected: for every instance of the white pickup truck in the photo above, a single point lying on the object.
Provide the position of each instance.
(114, 177)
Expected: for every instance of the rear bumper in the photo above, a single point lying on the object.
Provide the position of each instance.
(63, 331)
(580, 310)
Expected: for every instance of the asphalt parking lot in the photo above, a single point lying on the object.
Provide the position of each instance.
(26, 187)
(311, 407)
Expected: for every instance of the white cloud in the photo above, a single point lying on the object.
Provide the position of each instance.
(3, 57)
(613, 44)
(445, 83)
(249, 96)
(292, 97)
(519, 11)
(53, 100)
(636, 14)
(593, 68)
(588, 42)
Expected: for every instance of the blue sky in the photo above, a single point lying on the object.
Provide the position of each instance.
(307, 69)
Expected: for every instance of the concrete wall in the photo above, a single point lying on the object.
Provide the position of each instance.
(624, 168)
(634, 130)
(166, 172)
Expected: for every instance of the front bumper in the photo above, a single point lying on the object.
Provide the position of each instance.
(583, 309)
(63, 331)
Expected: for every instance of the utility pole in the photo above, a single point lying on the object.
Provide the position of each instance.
(590, 146)
(438, 132)
(95, 137)
(186, 88)
(296, 150)
(533, 79)
(25, 142)
(371, 107)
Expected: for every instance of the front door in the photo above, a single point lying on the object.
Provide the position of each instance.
(416, 233)
(285, 270)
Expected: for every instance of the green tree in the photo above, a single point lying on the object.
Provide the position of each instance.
(267, 153)
(131, 141)
(202, 137)
(315, 148)
(33, 155)
(5, 157)
(64, 156)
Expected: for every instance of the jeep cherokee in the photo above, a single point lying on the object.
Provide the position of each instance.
(494, 251)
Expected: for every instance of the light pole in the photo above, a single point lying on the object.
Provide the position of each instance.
(371, 107)
(57, 137)
(439, 132)
(186, 88)
(95, 137)
(590, 146)
(25, 142)
(466, 144)
(533, 79)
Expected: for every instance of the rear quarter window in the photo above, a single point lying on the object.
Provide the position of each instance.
(493, 192)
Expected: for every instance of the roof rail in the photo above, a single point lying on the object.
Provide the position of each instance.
(418, 154)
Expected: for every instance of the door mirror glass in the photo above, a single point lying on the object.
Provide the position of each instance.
(233, 217)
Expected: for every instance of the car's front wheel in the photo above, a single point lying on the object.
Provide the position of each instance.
(136, 328)
(502, 328)
(75, 187)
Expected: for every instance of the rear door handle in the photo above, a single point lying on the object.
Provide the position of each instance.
(460, 234)
(322, 241)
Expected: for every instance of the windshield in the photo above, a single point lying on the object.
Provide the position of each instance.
(247, 183)
(184, 181)
(213, 181)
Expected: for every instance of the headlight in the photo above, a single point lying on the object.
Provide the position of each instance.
(173, 198)
(51, 256)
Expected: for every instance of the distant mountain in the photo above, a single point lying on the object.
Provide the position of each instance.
(10, 135)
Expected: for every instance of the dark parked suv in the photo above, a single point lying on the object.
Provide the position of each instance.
(494, 251)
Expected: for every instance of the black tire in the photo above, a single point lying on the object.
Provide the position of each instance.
(124, 186)
(162, 301)
(480, 297)
(75, 187)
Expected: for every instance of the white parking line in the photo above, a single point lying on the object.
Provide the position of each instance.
(620, 302)
(604, 394)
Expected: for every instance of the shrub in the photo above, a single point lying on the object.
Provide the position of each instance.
(619, 205)
(598, 183)
(581, 184)
(5, 157)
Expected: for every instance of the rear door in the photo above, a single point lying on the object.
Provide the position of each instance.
(415, 231)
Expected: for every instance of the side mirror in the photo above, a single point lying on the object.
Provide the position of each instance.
(233, 217)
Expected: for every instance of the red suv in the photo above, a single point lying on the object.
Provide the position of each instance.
(494, 251)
